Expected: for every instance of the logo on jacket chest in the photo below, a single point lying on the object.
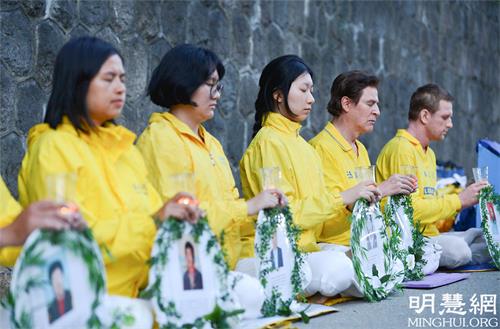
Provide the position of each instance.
(140, 188)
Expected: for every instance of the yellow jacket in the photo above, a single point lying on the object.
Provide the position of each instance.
(9, 209)
(428, 206)
(170, 147)
(112, 191)
(278, 144)
(339, 160)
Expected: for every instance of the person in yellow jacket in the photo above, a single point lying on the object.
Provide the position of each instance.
(354, 106)
(176, 142)
(285, 100)
(430, 118)
(16, 224)
(79, 136)
(187, 83)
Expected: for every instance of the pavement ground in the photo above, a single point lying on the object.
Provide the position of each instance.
(395, 312)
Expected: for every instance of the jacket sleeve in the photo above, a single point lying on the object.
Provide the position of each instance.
(331, 175)
(427, 210)
(165, 154)
(115, 230)
(308, 212)
(161, 149)
(9, 210)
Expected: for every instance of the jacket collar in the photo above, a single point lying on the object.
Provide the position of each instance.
(114, 139)
(337, 136)
(405, 134)
(281, 123)
(179, 125)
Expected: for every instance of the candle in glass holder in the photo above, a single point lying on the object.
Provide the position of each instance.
(365, 173)
(270, 177)
(184, 182)
(480, 174)
(61, 188)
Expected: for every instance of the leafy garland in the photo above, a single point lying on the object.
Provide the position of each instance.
(412, 258)
(391, 255)
(81, 244)
(275, 305)
(486, 195)
(170, 231)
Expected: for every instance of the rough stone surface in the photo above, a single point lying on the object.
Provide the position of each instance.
(17, 42)
(406, 43)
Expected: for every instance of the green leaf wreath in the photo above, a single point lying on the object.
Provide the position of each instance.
(487, 195)
(275, 305)
(79, 243)
(170, 231)
(416, 250)
(391, 280)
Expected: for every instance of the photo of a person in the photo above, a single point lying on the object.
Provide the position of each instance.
(491, 211)
(192, 277)
(276, 254)
(62, 302)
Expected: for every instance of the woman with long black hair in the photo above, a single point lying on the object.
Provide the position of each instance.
(284, 101)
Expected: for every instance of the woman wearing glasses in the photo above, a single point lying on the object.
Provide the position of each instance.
(187, 85)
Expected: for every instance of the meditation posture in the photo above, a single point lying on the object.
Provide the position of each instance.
(430, 119)
(284, 101)
(80, 136)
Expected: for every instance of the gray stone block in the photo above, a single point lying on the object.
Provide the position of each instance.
(50, 41)
(248, 94)
(175, 16)
(241, 38)
(7, 110)
(17, 42)
(94, 14)
(275, 42)
(7, 5)
(136, 66)
(197, 24)
(228, 101)
(220, 34)
(11, 155)
(33, 8)
(30, 105)
(79, 31)
(156, 51)
(64, 12)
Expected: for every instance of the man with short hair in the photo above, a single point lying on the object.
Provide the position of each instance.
(354, 107)
(430, 118)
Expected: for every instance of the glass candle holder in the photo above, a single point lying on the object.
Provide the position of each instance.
(480, 174)
(270, 177)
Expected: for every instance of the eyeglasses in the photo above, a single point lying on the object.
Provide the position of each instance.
(215, 88)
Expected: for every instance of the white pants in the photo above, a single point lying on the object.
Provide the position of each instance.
(432, 254)
(354, 289)
(328, 272)
(248, 292)
(458, 246)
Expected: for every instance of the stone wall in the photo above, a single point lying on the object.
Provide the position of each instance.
(406, 43)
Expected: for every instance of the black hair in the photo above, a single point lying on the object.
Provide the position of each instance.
(189, 246)
(77, 63)
(181, 71)
(279, 74)
(427, 97)
(55, 265)
(349, 84)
